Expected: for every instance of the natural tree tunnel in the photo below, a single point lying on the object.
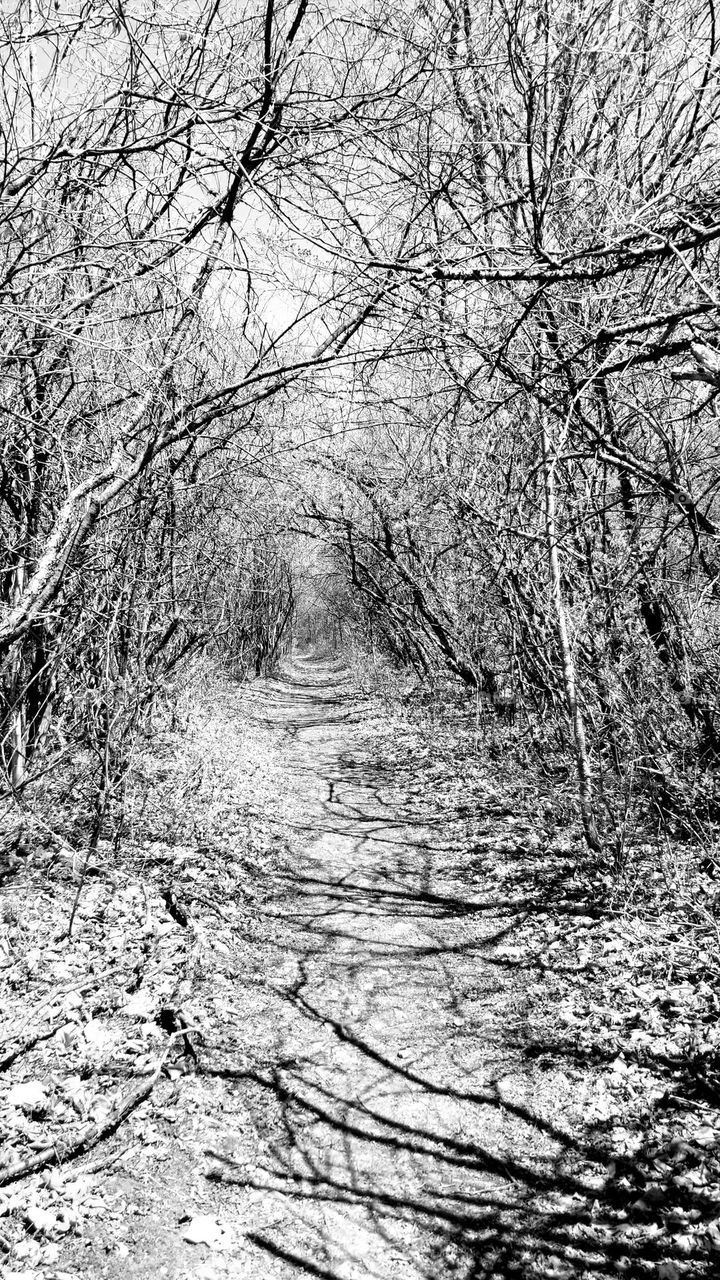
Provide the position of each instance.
(359, 464)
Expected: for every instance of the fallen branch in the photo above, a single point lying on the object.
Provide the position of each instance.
(29, 1043)
(64, 1152)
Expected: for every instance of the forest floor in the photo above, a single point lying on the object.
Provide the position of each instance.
(349, 1002)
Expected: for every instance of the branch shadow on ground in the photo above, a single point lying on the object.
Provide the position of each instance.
(450, 1177)
(472, 1211)
(452, 1203)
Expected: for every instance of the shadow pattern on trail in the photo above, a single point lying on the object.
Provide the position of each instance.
(415, 1135)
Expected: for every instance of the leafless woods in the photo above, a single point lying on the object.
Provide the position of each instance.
(432, 288)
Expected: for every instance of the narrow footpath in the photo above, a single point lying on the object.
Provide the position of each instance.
(404, 1135)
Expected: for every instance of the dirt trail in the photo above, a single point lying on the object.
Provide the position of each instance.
(361, 1105)
(418, 1046)
(406, 1138)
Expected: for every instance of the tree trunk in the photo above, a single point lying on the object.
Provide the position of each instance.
(585, 793)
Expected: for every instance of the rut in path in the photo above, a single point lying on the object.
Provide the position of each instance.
(406, 1136)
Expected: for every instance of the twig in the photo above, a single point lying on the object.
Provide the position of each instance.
(29, 1043)
(105, 1162)
(36, 1037)
(89, 853)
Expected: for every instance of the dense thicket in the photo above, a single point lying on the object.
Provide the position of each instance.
(434, 288)
(144, 151)
(530, 497)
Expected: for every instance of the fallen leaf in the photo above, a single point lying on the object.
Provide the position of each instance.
(42, 1220)
(141, 1005)
(205, 1230)
(712, 1235)
(29, 1097)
